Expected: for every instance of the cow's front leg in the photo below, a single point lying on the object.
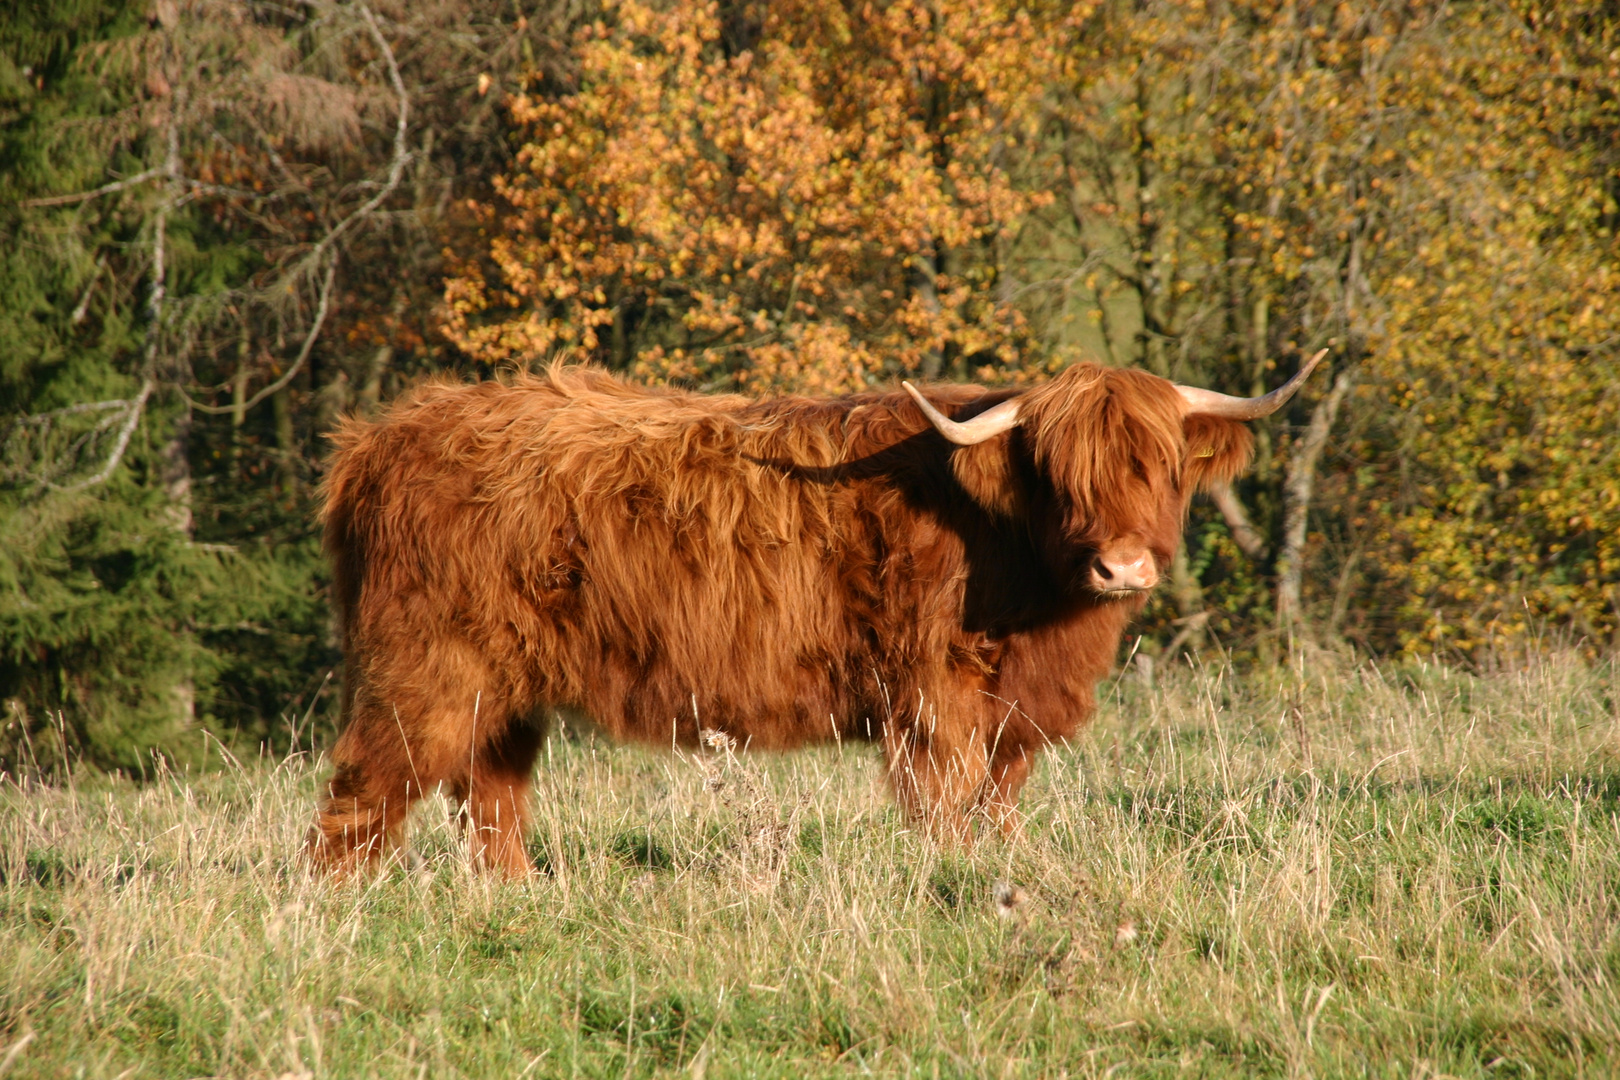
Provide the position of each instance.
(1009, 770)
(937, 764)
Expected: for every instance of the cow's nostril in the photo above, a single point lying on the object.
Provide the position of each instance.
(1123, 573)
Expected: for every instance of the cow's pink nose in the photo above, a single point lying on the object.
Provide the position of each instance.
(1124, 573)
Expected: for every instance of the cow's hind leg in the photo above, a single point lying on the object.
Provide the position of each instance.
(494, 796)
(418, 719)
(373, 786)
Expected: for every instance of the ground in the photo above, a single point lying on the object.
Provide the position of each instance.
(1323, 870)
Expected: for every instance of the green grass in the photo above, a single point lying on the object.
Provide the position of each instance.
(1334, 873)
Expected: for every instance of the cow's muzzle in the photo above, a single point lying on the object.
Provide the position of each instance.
(1122, 573)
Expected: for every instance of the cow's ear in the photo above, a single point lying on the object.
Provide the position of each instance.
(1217, 449)
(990, 476)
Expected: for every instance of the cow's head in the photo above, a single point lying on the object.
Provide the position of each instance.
(1104, 462)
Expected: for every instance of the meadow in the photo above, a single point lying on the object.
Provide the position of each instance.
(1322, 870)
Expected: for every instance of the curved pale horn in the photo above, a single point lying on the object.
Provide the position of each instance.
(1210, 403)
(987, 425)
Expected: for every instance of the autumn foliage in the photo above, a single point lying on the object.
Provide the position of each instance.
(827, 206)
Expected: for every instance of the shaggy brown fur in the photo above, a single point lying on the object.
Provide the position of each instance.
(787, 571)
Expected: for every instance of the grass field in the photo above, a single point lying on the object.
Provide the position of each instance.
(1337, 872)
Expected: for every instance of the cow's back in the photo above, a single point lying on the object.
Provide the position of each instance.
(665, 561)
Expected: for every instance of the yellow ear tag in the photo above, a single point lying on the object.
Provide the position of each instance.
(1208, 451)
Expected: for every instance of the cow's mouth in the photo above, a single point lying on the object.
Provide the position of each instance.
(1119, 594)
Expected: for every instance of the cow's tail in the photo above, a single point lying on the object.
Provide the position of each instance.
(343, 535)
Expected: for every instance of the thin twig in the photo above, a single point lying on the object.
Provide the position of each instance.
(199, 188)
(104, 189)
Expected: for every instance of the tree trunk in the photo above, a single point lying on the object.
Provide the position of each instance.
(174, 459)
(1145, 277)
(1259, 348)
(286, 445)
(1297, 489)
(239, 381)
(924, 270)
(177, 474)
(176, 478)
(371, 391)
(1189, 597)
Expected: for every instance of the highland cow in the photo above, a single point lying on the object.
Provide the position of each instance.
(946, 572)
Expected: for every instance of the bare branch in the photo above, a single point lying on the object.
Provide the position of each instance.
(45, 418)
(221, 191)
(1248, 539)
(104, 189)
(72, 453)
(314, 332)
(82, 308)
(396, 168)
(137, 406)
(1191, 627)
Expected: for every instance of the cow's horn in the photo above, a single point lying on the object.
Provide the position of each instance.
(1210, 403)
(987, 425)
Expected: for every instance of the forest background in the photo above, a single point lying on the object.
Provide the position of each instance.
(230, 222)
